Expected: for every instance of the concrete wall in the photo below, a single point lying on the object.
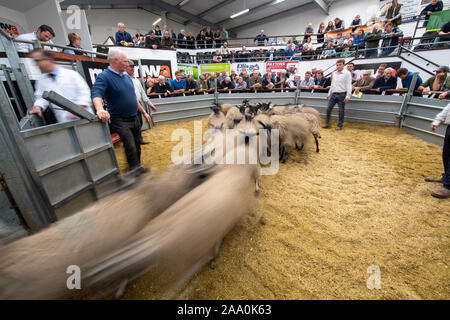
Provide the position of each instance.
(14, 16)
(103, 22)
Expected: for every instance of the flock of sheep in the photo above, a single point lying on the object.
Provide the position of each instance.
(167, 228)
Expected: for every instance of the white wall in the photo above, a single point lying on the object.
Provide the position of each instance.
(103, 22)
(15, 16)
(48, 13)
(295, 21)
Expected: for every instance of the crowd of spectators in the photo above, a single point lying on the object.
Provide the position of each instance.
(386, 80)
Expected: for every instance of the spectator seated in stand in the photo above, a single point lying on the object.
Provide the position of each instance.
(390, 38)
(123, 38)
(240, 83)
(267, 82)
(201, 40)
(260, 56)
(444, 34)
(290, 51)
(191, 85)
(217, 58)
(366, 82)
(224, 50)
(152, 42)
(338, 43)
(434, 6)
(227, 84)
(255, 80)
(294, 82)
(387, 81)
(339, 24)
(74, 42)
(274, 42)
(233, 57)
(282, 80)
(407, 77)
(329, 52)
(308, 50)
(308, 82)
(167, 41)
(271, 55)
(244, 55)
(319, 81)
(357, 22)
(439, 82)
(162, 87)
(222, 75)
(358, 39)
(178, 84)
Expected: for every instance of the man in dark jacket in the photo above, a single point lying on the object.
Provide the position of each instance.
(390, 37)
(372, 40)
(434, 6)
(152, 42)
(387, 81)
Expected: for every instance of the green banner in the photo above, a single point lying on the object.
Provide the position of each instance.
(216, 67)
(189, 69)
(437, 20)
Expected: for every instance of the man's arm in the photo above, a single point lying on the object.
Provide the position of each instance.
(369, 86)
(97, 94)
(142, 110)
(40, 103)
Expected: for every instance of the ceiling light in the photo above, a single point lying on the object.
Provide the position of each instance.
(156, 21)
(277, 1)
(182, 3)
(239, 13)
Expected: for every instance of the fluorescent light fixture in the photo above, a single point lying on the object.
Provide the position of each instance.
(156, 21)
(182, 3)
(239, 13)
(277, 1)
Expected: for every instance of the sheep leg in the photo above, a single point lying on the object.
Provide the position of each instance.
(317, 143)
(287, 151)
(217, 247)
(121, 290)
(281, 152)
(256, 187)
(299, 148)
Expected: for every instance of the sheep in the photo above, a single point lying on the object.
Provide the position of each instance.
(216, 119)
(176, 244)
(234, 116)
(293, 132)
(226, 107)
(34, 267)
(313, 118)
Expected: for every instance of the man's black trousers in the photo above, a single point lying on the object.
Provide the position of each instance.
(129, 131)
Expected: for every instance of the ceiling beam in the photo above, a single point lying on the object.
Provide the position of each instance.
(322, 5)
(211, 9)
(265, 19)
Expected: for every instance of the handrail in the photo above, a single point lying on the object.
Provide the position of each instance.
(417, 55)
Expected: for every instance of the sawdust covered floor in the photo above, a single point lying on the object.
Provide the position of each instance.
(361, 201)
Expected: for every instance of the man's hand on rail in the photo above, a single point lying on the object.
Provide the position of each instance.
(36, 110)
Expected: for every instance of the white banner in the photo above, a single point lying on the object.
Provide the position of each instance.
(149, 54)
(249, 66)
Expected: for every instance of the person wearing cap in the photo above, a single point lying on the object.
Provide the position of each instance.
(439, 82)
(407, 77)
(202, 84)
(141, 97)
(443, 117)
(366, 82)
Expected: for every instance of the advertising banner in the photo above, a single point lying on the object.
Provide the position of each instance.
(150, 69)
(10, 27)
(189, 69)
(249, 66)
(215, 67)
(277, 66)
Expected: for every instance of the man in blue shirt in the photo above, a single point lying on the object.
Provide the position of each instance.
(122, 36)
(116, 87)
(178, 84)
(406, 77)
(434, 6)
(387, 81)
